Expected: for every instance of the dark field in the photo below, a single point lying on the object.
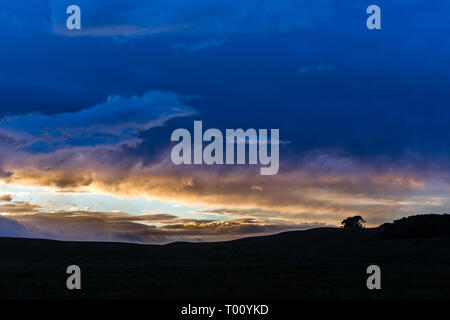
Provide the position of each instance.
(325, 263)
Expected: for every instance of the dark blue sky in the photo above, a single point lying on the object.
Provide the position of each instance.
(310, 68)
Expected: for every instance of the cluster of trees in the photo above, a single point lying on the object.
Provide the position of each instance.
(418, 226)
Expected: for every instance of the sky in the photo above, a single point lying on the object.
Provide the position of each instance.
(86, 116)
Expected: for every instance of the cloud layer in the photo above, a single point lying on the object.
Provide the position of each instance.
(119, 226)
(320, 187)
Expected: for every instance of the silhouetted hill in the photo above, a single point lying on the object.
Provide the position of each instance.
(323, 263)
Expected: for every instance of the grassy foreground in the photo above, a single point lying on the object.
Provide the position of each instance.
(324, 263)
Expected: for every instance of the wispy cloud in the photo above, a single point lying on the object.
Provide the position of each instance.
(6, 197)
(193, 47)
(116, 121)
(205, 18)
(321, 67)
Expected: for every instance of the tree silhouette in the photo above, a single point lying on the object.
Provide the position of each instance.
(353, 222)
